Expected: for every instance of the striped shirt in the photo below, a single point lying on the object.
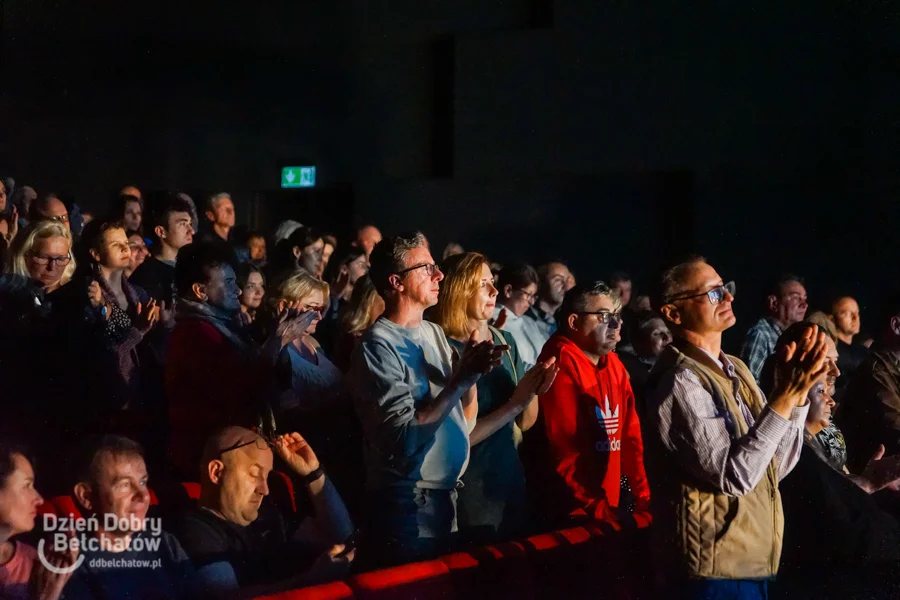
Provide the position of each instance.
(702, 438)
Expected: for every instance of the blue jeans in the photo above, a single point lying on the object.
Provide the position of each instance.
(411, 524)
(726, 589)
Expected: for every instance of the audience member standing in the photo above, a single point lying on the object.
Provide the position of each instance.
(785, 305)
(555, 281)
(869, 414)
(43, 253)
(517, 285)
(845, 314)
(720, 447)
(220, 215)
(416, 410)
(215, 374)
(588, 427)
(170, 231)
(492, 500)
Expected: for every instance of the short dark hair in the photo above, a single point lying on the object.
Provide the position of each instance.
(92, 237)
(330, 239)
(773, 285)
(576, 299)
(303, 237)
(389, 256)
(670, 282)
(619, 277)
(159, 217)
(519, 275)
(645, 316)
(196, 261)
(8, 451)
(86, 460)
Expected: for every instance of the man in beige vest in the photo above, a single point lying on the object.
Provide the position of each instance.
(716, 445)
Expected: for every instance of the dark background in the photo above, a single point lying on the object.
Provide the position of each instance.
(608, 133)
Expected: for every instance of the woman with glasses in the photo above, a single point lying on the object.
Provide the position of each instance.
(44, 253)
(315, 381)
(517, 288)
(491, 502)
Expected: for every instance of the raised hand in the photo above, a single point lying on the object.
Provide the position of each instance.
(479, 357)
(146, 316)
(167, 314)
(536, 381)
(297, 453)
(291, 323)
(47, 584)
(881, 473)
(95, 294)
(799, 366)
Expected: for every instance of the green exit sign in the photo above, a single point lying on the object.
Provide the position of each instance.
(298, 177)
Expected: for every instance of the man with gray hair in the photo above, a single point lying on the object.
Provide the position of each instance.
(417, 407)
(220, 214)
(587, 420)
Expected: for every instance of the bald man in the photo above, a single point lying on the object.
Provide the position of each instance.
(845, 315)
(241, 545)
(49, 208)
(366, 238)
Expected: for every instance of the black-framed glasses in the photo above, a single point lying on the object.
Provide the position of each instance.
(529, 297)
(715, 295)
(261, 443)
(59, 261)
(604, 316)
(430, 268)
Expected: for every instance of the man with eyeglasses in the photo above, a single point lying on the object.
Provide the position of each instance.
(50, 208)
(416, 407)
(239, 541)
(717, 448)
(517, 285)
(591, 452)
(785, 305)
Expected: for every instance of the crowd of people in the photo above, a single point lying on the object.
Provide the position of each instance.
(419, 407)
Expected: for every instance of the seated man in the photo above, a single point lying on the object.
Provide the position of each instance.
(126, 555)
(236, 546)
(593, 437)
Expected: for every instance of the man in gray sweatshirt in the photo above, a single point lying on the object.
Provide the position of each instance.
(416, 407)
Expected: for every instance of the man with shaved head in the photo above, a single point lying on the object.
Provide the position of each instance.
(49, 208)
(721, 446)
(238, 542)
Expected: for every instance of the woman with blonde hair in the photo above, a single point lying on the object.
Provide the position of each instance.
(314, 379)
(492, 500)
(43, 252)
(363, 309)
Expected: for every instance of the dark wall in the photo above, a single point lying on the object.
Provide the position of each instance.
(607, 133)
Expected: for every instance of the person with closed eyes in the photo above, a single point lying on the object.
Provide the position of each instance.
(44, 253)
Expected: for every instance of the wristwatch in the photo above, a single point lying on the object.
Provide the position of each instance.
(312, 477)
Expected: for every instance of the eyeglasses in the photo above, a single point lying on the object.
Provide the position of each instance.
(60, 218)
(429, 269)
(529, 297)
(715, 295)
(261, 443)
(605, 316)
(40, 259)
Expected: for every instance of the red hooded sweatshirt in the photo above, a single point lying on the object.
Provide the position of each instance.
(592, 431)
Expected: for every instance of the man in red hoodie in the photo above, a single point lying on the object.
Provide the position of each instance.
(593, 437)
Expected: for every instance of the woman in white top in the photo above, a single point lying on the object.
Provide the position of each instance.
(315, 381)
